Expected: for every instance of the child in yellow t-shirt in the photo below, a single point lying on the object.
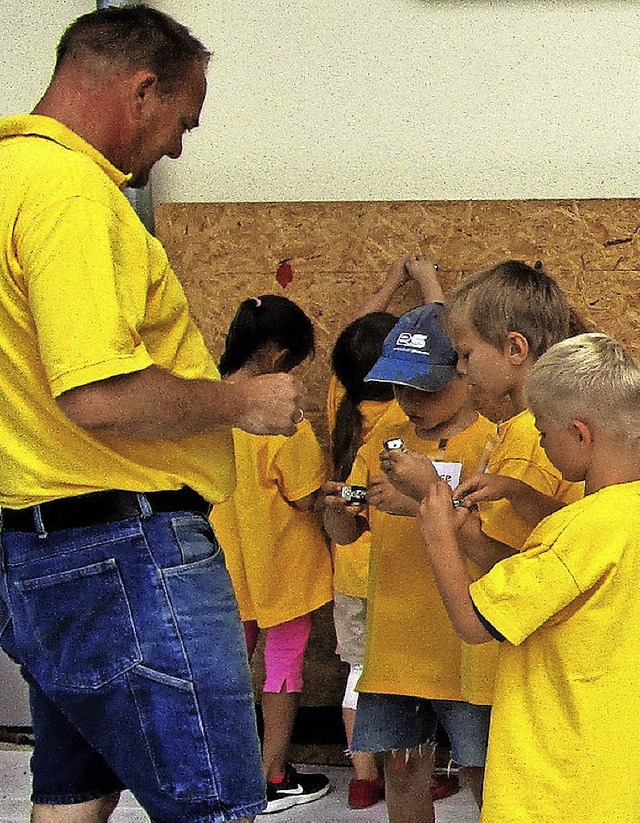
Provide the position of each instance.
(567, 704)
(354, 409)
(412, 665)
(501, 320)
(273, 542)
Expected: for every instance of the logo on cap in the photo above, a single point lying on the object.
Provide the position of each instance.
(413, 341)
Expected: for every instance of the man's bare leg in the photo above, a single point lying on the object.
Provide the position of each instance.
(93, 811)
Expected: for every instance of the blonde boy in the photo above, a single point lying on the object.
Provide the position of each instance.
(567, 703)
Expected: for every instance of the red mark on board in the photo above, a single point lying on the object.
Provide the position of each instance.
(284, 274)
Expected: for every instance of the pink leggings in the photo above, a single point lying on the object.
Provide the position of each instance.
(283, 652)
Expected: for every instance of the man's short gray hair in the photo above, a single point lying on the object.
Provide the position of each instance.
(132, 38)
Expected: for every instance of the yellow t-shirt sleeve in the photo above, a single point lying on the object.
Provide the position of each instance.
(298, 466)
(359, 474)
(563, 558)
(86, 299)
(521, 593)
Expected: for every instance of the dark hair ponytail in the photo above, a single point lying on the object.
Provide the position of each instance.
(259, 321)
(356, 350)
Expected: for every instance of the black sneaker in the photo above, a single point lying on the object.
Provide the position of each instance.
(295, 789)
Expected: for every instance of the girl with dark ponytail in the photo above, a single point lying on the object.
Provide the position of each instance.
(274, 546)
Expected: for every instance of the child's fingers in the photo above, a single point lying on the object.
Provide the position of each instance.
(468, 486)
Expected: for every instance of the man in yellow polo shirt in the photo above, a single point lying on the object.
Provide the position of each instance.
(115, 441)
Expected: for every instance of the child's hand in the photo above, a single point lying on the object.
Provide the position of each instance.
(397, 275)
(333, 499)
(411, 473)
(386, 498)
(423, 270)
(436, 516)
(482, 488)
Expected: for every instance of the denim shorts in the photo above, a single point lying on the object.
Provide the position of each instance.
(130, 637)
(388, 722)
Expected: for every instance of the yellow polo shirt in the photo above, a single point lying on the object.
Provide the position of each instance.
(277, 555)
(566, 718)
(411, 647)
(86, 294)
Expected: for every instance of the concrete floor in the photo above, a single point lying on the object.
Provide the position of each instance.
(14, 799)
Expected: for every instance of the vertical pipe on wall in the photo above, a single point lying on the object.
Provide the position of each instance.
(140, 199)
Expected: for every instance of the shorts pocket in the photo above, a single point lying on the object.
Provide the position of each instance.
(194, 537)
(82, 624)
(173, 728)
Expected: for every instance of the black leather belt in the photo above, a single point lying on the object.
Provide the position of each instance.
(99, 507)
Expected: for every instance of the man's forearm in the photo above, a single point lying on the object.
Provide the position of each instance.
(154, 404)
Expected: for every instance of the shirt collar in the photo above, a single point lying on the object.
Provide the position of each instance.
(36, 125)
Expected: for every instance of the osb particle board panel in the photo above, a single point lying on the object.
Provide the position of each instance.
(340, 252)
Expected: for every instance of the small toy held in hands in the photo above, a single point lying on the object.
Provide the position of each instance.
(354, 494)
(458, 503)
(394, 444)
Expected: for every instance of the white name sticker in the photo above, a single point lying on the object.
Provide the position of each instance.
(449, 471)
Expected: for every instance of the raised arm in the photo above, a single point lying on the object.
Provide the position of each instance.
(424, 271)
(418, 267)
(381, 297)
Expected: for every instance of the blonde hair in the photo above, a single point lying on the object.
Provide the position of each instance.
(589, 377)
(511, 296)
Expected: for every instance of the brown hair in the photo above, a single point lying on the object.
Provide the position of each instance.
(133, 38)
(511, 296)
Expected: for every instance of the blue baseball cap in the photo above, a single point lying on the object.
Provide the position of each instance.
(417, 352)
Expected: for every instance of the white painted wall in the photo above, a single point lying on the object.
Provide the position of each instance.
(389, 99)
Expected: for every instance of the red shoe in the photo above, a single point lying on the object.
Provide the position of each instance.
(364, 793)
(444, 785)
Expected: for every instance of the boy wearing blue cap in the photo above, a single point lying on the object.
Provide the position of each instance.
(415, 669)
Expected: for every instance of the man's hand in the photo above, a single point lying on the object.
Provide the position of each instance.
(411, 473)
(273, 404)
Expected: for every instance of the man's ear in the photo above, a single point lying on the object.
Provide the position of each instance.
(142, 85)
(516, 347)
(583, 431)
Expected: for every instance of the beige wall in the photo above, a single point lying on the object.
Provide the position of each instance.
(388, 99)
